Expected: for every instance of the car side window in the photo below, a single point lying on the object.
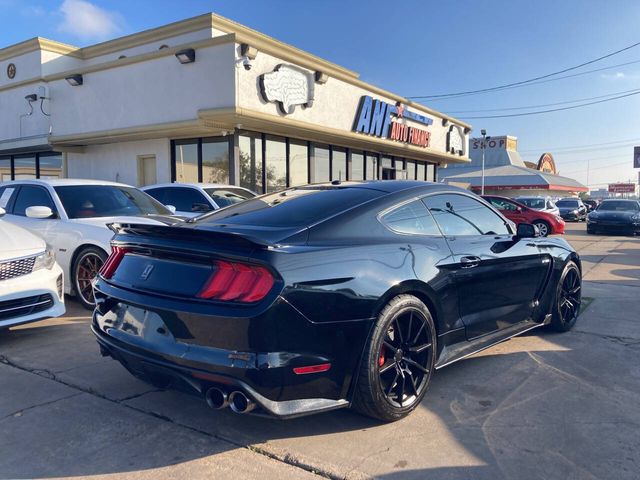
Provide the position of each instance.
(502, 204)
(31, 196)
(458, 214)
(157, 193)
(186, 199)
(411, 218)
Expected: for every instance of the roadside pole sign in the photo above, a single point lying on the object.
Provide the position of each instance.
(622, 188)
(636, 157)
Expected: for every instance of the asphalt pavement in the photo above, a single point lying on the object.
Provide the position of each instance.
(540, 406)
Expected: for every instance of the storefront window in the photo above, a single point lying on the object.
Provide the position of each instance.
(276, 163)
(320, 164)
(25, 167)
(186, 161)
(215, 160)
(250, 145)
(357, 166)
(339, 164)
(5, 169)
(411, 170)
(420, 171)
(431, 172)
(371, 167)
(51, 166)
(298, 163)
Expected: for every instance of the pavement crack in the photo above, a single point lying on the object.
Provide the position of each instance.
(625, 341)
(43, 404)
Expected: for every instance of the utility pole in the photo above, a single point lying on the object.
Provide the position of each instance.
(484, 145)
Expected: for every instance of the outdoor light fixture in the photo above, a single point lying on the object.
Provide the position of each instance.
(248, 51)
(188, 55)
(445, 122)
(75, 80)
(31, 98)
(321, 77)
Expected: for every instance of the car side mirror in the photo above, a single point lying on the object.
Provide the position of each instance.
(171, 208)
(38, 212)
(526, 230)
(2, 212)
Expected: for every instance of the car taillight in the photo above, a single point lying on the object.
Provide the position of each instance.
(239, 282)
(109, 267)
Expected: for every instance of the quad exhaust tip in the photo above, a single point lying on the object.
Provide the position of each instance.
(216, 398)
(240, 403)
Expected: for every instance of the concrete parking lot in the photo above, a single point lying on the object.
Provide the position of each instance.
(544, 406)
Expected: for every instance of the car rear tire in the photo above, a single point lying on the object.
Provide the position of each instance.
(543, 226)
(85, 267)
(398, 360)
(566, 306)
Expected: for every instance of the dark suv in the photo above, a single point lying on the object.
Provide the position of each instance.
(572, 209)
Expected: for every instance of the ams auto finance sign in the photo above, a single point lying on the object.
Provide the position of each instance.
(375, 118)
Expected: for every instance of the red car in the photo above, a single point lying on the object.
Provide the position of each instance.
(547, 223)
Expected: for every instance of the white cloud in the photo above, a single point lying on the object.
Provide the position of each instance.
(87, 21)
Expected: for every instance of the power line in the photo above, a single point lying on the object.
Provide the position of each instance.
(540, 77)
(525, 114)
(581, 147)
(543, 105)
(628, 162)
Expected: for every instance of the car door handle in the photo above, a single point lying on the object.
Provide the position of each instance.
(470, 261)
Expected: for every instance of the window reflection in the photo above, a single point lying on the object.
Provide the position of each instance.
(215, 160)
(339, 164)
(298, 163)
(25, 168)
(320, 163)
(371, 167)
(276, 163)
(187, 162)
(357, 166)
(250, 146)
(51, 166)
(5, 169)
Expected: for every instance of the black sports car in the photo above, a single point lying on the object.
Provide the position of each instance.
(572, 209)
(617, 216)
(327, 296)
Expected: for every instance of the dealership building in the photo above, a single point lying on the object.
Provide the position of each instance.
(507, 174)
(209, 100)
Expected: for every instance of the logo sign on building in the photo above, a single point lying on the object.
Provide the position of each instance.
(622, 188)
(636, 157)
(288, 86)
(374, 117)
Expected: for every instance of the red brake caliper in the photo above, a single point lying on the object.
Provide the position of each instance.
(381, 358)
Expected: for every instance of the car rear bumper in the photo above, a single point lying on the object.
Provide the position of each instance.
(257, 355)
(31, 297)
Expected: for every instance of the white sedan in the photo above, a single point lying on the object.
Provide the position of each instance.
(193, 199)
(30, 278)
(72, 217)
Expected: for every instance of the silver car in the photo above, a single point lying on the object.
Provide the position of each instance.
(543, 204)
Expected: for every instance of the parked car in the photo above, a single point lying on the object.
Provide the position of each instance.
(73, 217)
(30, 279)
(543, 204)
(572, 209)
(193, 199)
(327, 296)
(591, 204)
(547, 223)
(612, 215)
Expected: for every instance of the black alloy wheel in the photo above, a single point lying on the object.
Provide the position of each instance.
(398, 361)
(543, 227)
(568, 299)
(85, 268)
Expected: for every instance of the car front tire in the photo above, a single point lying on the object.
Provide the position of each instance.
(568, 299)
(543, 227)
(398, 360)
(85, 267)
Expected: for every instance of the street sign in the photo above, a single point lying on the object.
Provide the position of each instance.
(622, 188)
(636, 157)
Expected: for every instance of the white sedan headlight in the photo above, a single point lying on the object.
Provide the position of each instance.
(47, 260)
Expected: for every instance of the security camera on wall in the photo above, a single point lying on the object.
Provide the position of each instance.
(246, 63)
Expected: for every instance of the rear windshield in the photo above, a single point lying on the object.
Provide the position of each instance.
(619, 206)
(535, 203)
(89, 201)
(567, 203)
(295, 207)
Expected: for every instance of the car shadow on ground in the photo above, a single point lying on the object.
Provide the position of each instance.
(498, 411)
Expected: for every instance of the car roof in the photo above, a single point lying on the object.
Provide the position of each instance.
(200, 185)
(64, 182)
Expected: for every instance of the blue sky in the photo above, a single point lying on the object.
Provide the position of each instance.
(424, 47)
